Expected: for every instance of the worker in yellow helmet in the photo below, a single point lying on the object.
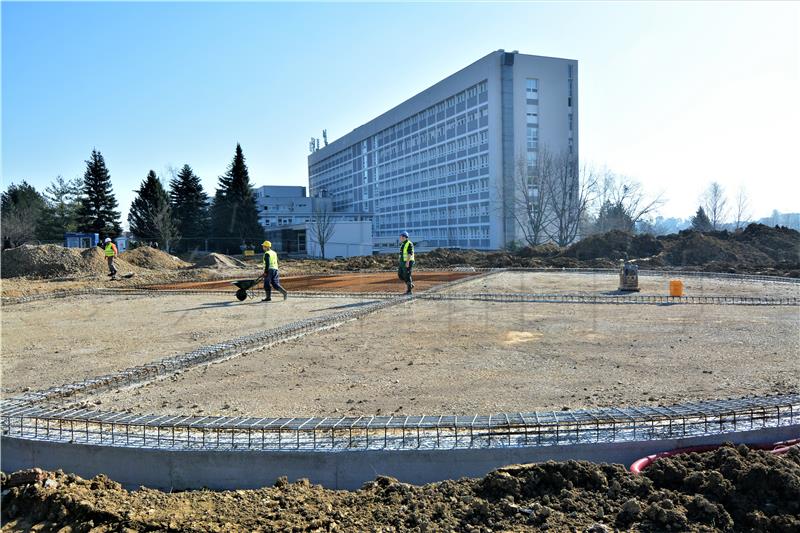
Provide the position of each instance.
(271, 278)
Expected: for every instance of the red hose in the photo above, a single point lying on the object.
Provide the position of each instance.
(776, 448)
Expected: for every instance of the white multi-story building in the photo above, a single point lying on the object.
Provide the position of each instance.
(288, 217)
(442, 164)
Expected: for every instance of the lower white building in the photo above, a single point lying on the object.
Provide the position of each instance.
(289, 220)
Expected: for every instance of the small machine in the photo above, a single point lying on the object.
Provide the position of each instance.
(628, 276)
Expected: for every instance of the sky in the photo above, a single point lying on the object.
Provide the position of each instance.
(673, 95)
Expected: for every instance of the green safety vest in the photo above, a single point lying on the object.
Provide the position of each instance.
(404, 255)
(110, 249)
(273, 259)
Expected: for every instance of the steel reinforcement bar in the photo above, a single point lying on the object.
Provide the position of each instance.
(85, 426)
(613, 299)
(208, 354)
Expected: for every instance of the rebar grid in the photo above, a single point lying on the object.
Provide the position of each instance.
(613, 299)
(207, 354)
(85, 426)
(141, 289)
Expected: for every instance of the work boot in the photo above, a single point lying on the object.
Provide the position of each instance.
(285, 295)
(267, 300)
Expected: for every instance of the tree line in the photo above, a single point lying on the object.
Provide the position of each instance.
(180, 219)
(556, 199)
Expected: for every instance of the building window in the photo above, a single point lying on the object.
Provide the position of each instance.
(532, 137)
(532, 89)
(532, 113)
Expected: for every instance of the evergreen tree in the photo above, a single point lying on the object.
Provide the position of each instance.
(234, 215)
(189, 204)
(21, 206)
(613, 216)
(700, 221)
(150, 216)
(61, 212)
(97, 212)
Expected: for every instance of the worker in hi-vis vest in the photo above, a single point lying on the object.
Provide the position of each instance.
(271, 278)
(110, 251)
(406, 261)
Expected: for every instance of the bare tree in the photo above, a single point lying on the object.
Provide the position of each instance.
(530, 205)
(621, 202)
(571, 189)
(742, 208)
(165, 227)
(323, 225)
(715, 204)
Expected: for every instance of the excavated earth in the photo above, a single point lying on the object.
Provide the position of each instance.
(730, 489)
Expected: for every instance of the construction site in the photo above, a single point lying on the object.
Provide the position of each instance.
(165, 380)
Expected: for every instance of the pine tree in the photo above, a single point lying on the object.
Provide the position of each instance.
(700, 221)
(61, 213)
(234, 215)
(150, 216)
(21, 206)
(189, 204)
(97, 212)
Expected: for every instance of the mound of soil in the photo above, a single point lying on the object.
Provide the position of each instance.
(53, 261)
(615, 245)
(731, 489)
(152, 258)
(215, 260)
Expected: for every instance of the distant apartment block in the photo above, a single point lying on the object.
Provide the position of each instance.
(442, 164)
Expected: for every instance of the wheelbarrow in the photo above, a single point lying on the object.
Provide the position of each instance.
(244, 285)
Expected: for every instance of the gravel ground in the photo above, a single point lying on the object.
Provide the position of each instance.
(471, 357)
(599, 284)
(53, 342)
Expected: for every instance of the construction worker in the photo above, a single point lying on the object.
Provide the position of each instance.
(406, 261)
(271, 279)
(110, 253)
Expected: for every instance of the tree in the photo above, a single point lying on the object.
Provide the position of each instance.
(21, 207)
(700, 221)
(323, 224)
(570, 192)
(742, 209)
(715, 204)
(61, 212)
(614, 217)
(97, 212)
(150, 217)
(189, 204)
(530, 205)
(234, 215)
(623, 203)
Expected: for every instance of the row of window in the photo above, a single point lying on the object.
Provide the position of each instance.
(392, 195)
(382, 138)
(425, 234)
(429, 136)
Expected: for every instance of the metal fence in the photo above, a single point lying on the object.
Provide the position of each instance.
(84, 426)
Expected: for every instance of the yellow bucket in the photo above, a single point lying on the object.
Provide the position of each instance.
(675, 287)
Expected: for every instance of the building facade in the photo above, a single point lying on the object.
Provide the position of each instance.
(290, 221)
(442, 164)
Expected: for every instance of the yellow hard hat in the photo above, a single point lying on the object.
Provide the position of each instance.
(266, 243)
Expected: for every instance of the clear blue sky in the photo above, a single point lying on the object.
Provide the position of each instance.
(673, 95)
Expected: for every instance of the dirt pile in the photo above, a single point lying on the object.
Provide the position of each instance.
(614, 245)
(731, 489)
(153, 259)
(215, 260)
(54, 261)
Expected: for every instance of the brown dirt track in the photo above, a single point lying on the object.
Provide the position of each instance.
(351, 282)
